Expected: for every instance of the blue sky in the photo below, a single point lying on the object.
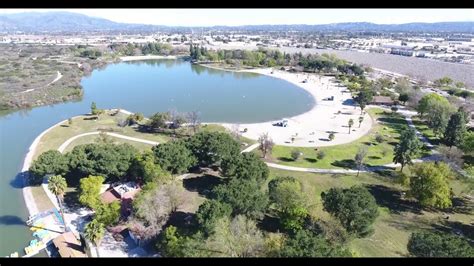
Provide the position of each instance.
(233, 17)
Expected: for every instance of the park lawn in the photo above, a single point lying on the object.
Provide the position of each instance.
(398, 218)
(83, 124)
(42, 201)
(342, 156)
(96, 138)
(425, 130)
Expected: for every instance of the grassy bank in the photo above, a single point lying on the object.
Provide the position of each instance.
(398, 217)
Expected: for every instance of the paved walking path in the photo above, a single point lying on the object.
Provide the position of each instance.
(68, 142)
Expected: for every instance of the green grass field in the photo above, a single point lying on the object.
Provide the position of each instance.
(398, 217)
(342, 156)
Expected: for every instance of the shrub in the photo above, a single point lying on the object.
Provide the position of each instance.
(331, 136)
(295, 154)
(379, 138)
(320, 155)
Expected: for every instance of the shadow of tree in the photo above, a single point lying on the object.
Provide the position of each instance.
(346, 163)
(462, 205)
(11, 220)
(391, 198)
(270, 224)
(310, 160)
(348, 102)
(374, 157)
(456, 227)
(19, 180)
(285, 159)
(185, 221)
(202, 184)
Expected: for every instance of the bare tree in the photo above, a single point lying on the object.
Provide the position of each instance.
(266, 144)
(176, 194)
(235, 131)
(359, 158)
(194, 120)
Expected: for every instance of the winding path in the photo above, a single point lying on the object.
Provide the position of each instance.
(68, 142)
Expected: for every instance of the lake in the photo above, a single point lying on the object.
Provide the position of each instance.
(147, 87)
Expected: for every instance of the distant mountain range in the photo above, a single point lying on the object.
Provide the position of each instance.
(74, 22)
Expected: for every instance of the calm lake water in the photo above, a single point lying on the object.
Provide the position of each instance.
(146, 87)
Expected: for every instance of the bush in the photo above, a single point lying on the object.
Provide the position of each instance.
(331, 136)
(379, 138)
(320, 155)
(295, 154)
(427, 244)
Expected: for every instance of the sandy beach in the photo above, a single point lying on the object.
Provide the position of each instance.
(311, 129)
(147, 57)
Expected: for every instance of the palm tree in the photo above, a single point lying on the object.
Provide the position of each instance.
(351, 123)
(57, 185)
(94, 232)
(361, 118)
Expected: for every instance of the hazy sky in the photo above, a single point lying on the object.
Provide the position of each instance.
(233, 17)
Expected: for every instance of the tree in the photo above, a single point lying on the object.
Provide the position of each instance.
(209, 212)
(407, 148)
(350, 124)
(437, 110)
(452, 156)
(307, 244)
(57, 185)
(111, 161)
(467, 144)
(211, 147)
(444, 81)
(429, 244)
(244, 196)
(289, 200)
(93, 108)
(295, 154)
(170, 243)
(331, 136)
(456, 129)
(429, 185)
(273, 244)
(175, 193)
(425, 102)
(438, 116)
(174, 157)
(158, 121)
(359, 158)
(193, 118)
(355, 208)
(135, 118)
(89, 190)
(245, 166)
(154, 207)
(94, 232)
(361, 119)
(239, 237)
(403, 97)
(108, 213)
(144, 169)
(364, 97)
(266, 144)
(49, 162)
(69, 121)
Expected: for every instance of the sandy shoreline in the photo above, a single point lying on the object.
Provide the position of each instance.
(146, 57)
(312, 128)
(27, 195)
